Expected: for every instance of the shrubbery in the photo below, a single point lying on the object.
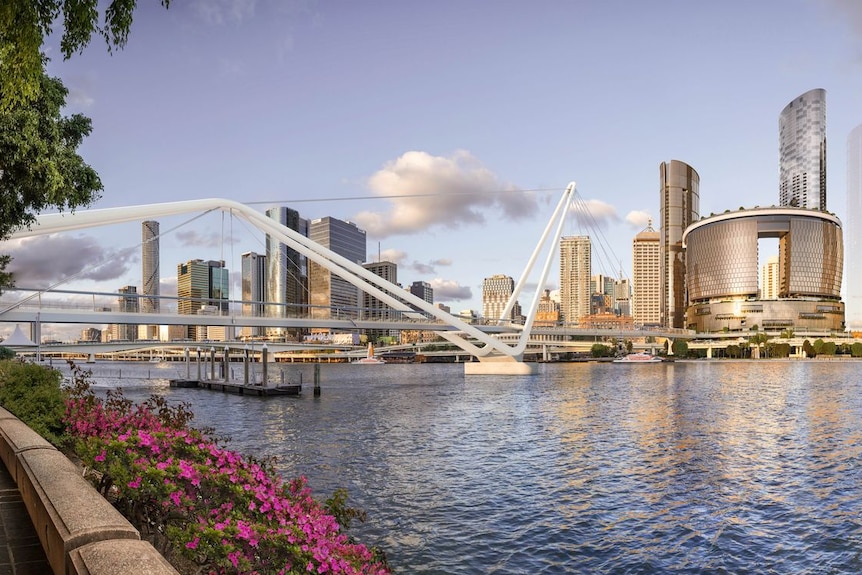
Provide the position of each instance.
(206, 508)
(32, 393)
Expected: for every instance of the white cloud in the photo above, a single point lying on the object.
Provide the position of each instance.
(638, 219)
(428, 191)
(220, 12)
(195, 238)
(79, 98)
(168, 287)
(390, 255)
(48, 259)
(450, 290)
(592, 214)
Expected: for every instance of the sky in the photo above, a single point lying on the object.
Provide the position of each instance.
(447, 130)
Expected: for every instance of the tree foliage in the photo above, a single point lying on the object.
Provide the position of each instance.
(39, 164)
(601, 350)
(24, 24)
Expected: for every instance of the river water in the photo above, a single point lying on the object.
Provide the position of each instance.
(686, 467)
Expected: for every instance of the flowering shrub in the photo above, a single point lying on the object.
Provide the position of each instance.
(197, 500)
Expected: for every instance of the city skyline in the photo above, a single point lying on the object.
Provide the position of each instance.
(441, 129)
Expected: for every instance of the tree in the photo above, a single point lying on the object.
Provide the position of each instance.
(856, 349)
(24, 25)
(601, 350)
(680, 348)
(39, 162)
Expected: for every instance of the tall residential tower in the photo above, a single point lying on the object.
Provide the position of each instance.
(150, 275)
(802, 150)
(646, 277)
(853, 273)
(679, 208)
(575, 266)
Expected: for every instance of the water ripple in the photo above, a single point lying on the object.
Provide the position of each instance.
(702, 467)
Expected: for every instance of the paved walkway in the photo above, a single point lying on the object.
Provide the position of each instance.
(20, 550)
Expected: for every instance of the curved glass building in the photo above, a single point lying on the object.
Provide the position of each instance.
(722, 271)
(802, 151)
(680, 206)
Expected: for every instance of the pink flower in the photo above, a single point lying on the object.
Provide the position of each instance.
(101, 456)
(136, 483)
(194, 543)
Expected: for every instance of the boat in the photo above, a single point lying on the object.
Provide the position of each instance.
(370, 358)
(641, 357)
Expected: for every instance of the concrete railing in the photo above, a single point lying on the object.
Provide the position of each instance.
(81, 533)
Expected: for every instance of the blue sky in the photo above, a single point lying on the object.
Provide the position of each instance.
(300, 103)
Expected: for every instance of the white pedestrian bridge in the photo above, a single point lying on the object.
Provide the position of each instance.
(495, 354)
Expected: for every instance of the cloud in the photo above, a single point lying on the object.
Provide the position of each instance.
(220, 12)
(441, 262)
(79, 98)
(428, 191)
(450, 290)
(638, 219)
(195, 238)
(849, 12)
(49, 259)
(390, 255)
(594, 213)
(168, 287)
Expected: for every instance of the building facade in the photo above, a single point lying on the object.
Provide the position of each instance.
(722, 262)
(802, 152)
(253, 291)
(853, 273)
(286, 270)
(575, 268)
(150, 275)
(127, 302)
(329, 295)
(679, 208)
(646, 278)
(202, 283)
(373, 308)
(497, 290)
(769, 279)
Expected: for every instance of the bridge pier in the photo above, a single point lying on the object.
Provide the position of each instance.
(499, 365)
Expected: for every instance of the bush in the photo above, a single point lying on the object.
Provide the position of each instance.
(213, 508)
(32, 393)
(6, 352)
(601, 350)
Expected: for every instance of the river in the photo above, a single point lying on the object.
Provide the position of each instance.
(686, 467)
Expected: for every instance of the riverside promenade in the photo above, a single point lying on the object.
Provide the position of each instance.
(21, 552)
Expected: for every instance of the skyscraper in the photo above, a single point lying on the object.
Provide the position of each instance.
(200, 284)
(150, 275)
(646, 277)
(802, 150)
(286, 270)
(679, 208)
(496, 291)
(127, 302)
(373, 308)
(330, 295)
(575, 267)
(853, 231)
(770, 279)
(253, 290)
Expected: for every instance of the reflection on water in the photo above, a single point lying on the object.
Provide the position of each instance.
(701, 467)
